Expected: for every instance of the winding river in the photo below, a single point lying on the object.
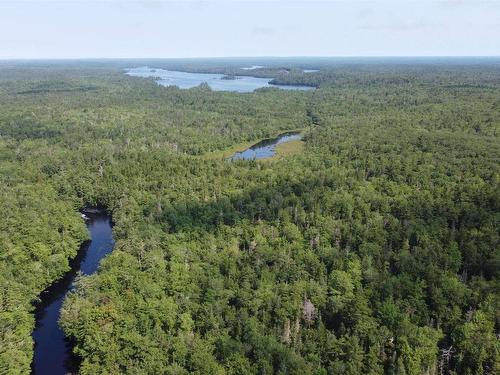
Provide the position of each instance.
(53, 354)
(266, 148)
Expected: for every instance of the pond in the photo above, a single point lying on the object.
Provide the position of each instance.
(53, 354)
(266, 148)
(217, 82)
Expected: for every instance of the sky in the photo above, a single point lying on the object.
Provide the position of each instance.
(112, 28)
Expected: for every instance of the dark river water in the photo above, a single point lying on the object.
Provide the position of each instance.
(185, 80)
(52, 351)
(266, 148)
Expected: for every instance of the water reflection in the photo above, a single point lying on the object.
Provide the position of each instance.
(266, 148)
(53, 354)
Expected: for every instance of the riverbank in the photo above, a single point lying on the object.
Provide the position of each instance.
(287, 149)
(53, 352)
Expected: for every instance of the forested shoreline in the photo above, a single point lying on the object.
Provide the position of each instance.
(374, 250)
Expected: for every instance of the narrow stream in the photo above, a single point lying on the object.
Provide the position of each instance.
(266, 148)
(52, 351)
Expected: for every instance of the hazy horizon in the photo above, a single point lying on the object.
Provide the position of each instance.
(257, 58)
(108, 29)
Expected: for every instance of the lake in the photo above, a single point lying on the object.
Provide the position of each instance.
(185, 80)
(253, 67)
(266, 148)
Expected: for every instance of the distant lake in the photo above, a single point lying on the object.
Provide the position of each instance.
(253, 67)
(185, 80)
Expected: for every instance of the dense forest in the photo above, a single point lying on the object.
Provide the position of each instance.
(374, 250)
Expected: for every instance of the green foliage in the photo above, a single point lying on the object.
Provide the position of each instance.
(370, 251)
(39, 232)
